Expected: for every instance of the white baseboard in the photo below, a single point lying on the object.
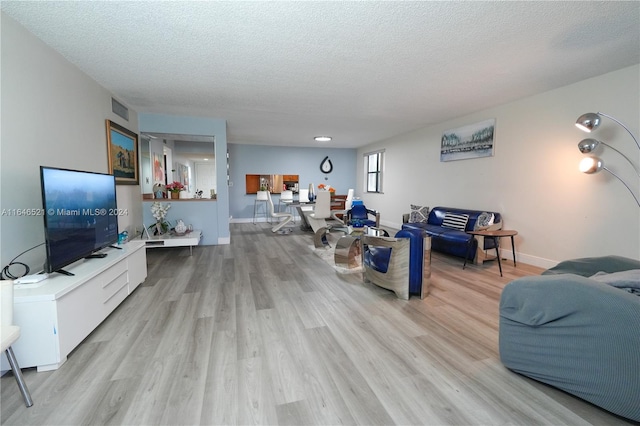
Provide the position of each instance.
(248, 220)
(528, 259)
(224, 241)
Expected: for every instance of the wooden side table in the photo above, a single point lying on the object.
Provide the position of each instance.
(495, 235)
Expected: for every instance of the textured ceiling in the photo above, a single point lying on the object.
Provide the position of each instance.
(283, 72)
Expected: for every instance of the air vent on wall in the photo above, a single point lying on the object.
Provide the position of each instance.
(119, 109)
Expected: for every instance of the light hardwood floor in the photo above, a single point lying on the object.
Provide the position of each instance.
(264, 332)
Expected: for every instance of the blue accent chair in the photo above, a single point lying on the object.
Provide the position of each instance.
(401, 264)
(358, 216)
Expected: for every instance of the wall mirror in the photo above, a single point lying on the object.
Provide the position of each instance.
(272, 183)
(188, 159)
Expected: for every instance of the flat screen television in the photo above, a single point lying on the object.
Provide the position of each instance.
(79, 214)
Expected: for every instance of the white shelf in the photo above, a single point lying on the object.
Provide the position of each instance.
(189, 239)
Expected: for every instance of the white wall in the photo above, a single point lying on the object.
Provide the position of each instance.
(533, 178)
(52, 114)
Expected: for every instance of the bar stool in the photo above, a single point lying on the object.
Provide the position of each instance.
(286, 201)
(262, 198)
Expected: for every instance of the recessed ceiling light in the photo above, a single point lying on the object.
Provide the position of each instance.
(322, 138)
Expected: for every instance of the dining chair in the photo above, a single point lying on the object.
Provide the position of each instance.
(318, 218)
(322, 209)
(303, 196)
(347, 206)
(9, 333)
(286, 199)
(288, 217)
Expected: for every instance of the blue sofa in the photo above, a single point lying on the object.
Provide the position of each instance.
(452, 241)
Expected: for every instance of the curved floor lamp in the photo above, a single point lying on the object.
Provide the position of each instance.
(587, 146)
(592, 164)
(591, 121)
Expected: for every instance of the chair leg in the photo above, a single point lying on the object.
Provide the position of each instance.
(278, 227)
(255, 209)
(320, 238)
(13, 362)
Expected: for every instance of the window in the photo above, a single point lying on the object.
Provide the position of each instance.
(373, 168)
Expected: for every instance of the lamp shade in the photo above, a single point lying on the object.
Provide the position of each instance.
(588, 122)
(588, 145)
(590, 165)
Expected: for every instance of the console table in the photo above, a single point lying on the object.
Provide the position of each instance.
(56, 314)
(172, 240)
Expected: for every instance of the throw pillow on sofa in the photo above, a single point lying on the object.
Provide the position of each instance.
(484, 221)
(455, 221)
(419, 214)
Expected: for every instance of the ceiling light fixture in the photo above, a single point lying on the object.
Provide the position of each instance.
(323, 138)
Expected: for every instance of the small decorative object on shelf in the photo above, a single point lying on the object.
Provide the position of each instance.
(159, 212)
(174, 188)
(122, 237)
(312, 194)
(180, 228)
(159, 191)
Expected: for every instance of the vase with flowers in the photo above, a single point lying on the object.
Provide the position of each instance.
(326, 187)
(174, 188)
(159, 212)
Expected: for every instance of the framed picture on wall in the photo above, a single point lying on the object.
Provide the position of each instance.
(183, 175)
(122, 151)
(472, 141)
(158, 169)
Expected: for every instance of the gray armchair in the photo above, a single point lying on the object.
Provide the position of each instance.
(577, 333)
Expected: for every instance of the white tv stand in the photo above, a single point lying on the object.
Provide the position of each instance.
(59, 314)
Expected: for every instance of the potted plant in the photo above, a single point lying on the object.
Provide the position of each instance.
(159, 212)
(175, 188)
